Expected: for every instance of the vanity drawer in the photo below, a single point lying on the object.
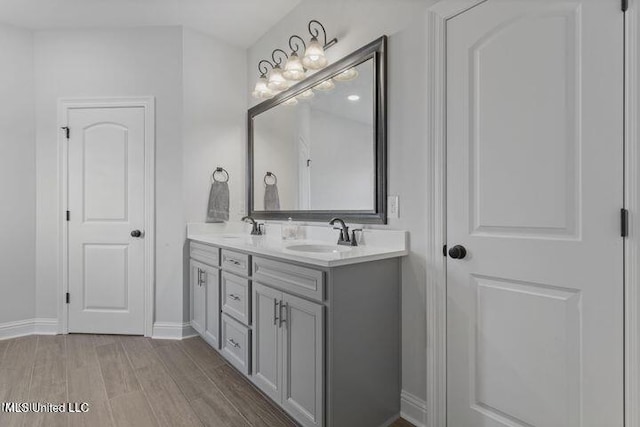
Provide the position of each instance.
(235, 262)
(209, 255)
(236, 339)
(291, 278)
(236, 297)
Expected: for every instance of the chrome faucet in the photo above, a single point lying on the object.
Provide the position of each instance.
(256, 229)
(344, 238)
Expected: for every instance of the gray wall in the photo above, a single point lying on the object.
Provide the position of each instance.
(356, 23)
(17, 176)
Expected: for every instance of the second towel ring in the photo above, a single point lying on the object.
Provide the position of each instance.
(270, 175)
(220, 170)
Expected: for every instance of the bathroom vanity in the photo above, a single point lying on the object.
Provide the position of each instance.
(314, 325)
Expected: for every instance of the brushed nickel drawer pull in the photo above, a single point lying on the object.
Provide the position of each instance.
(233, 343)
(234, 297)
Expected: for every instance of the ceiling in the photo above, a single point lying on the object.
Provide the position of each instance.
(238, 22)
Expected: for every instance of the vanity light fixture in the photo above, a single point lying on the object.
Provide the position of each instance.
(293, 69)
(314, 56)
(347, 75)
(262, 91)
(353, 98)
(277, 81)
(286, 70)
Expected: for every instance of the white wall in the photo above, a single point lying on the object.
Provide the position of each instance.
(356, 23)
(17, 176)
(112, 63)
(214, 125)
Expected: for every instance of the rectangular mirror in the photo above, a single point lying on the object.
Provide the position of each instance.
(318, 149)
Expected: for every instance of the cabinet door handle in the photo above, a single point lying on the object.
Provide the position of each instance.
(200, 277)
(233, 261)
(276, 310)
(234, 297)
(286, 310)
(233, 343)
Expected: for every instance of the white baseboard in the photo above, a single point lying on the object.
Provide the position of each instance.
(26, 327)
(172, 331)
(413, 409)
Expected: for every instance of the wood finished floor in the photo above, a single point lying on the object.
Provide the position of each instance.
(132, 382)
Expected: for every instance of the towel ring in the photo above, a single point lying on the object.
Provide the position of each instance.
(219, 170)
(270, 175)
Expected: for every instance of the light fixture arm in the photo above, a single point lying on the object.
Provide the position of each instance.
(315, 32)
(294, 43)
(263, 68)
(278, 61)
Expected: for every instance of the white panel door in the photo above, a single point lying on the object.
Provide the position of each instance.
(534, 192)
(302, 360)
(106, 203)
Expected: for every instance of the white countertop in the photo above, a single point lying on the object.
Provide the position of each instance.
(388, 244)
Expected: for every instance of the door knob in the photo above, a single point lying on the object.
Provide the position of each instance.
(457, 252)
(136, 233)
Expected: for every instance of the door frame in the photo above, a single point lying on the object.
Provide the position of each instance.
(436, 287)
(65, 105)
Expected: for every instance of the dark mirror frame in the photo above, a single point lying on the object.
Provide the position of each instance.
(375, 50)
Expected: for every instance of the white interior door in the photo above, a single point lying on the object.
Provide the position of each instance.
(534, 192)
(106, 203)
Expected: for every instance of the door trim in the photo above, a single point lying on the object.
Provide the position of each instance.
(64, 106)
(436, 294)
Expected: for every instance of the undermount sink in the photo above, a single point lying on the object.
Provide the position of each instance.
(319, 249)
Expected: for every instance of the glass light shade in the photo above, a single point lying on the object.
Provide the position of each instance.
(293, 69)
(307, 94)
(277, 82)
(347, 75)
(261, 90)
(290, 101)
(325, 86)
(314, 58)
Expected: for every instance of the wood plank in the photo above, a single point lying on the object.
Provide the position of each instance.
(86, 385)
(3, 347)
(117, 372)
(49, 381)
(140, 352)
(202, 354)
(21, 352)
(214, 410)
(132, 409)
(250, 402)
(401, 422)
(81, 351)
(165, 398)
(105, 339)
(14, 387)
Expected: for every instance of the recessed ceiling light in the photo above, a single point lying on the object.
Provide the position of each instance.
(353, 98)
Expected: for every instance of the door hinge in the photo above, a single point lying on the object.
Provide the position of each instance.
(67, 131)
(624, 222)
(624, 5)
(68, 298)
(444, 250)
(68, 216)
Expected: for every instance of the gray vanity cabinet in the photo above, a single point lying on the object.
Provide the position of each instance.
(288, 352)
(321, 342)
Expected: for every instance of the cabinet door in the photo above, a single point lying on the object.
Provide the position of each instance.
(303, 360)
(267, 341)
(212, 284)
(198, 297)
